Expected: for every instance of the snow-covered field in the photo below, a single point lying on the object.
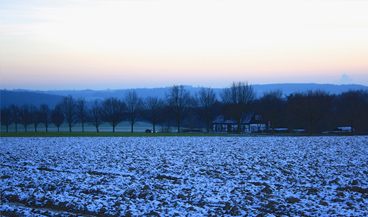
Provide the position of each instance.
(185, 176)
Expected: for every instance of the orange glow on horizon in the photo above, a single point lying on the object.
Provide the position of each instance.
(162, 42)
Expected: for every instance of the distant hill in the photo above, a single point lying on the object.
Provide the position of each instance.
(260, 89)
(287, 89)
(53, 97)
(91, 95)
(28, 97)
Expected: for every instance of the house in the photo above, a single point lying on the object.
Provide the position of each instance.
(250, 123)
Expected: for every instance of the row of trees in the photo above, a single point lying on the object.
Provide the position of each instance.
(314, 111)
(317, 111)
(132, 108)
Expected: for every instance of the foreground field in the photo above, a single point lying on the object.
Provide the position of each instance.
(180, 176)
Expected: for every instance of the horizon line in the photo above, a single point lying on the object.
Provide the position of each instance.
(185, 85)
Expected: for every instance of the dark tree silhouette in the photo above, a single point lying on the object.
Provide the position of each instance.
(207, 106)
(25, 116)
(81, 111)
(6, 117)
(166, 119)
(238, 100)
(57, 116)
(133, 104)
(35, 116)
(179, 100)
(315, 111)
(152, 110)
(113, 111)
(68, 106)
(15, 115)
(353, 107)
(310, 107)
(271, 105)
(95, 114)
(45, 113)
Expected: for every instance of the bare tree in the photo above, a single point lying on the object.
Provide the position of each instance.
(35, 116)
(178, 100)
(152, 110)
(81, 111)
(57, 116)
(166, 119)
(238, 99)
(113, 111)
(271, 105)
(25, 116)
(95, 114)
(68, 106)
(353, 107)
(207, 106)
(133, 104)
(15, 115)
(6, 117)
(310, 107)
(45, 113)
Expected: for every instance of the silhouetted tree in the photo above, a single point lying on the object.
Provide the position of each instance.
(25, 116)
(113, 111)
(310, 107)
(238, 100)
(271, 105)
(68, 106)
(152, 110)
(206, 106)
(95, 115)
(353, 107)
(45, 113)
(6, 117)
(15, 115)
(81, 111)
(35, 116)
(133, 105)
(57, 116)
(167, 118)
(178, 99)
(193, 121)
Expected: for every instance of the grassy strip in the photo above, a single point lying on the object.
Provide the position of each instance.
(102, 134)
(142, 134)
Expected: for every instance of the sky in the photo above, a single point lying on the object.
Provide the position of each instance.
(112, 44)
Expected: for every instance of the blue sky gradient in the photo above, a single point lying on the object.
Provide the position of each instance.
(126, 44)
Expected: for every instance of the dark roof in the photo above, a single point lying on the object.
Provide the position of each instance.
(222, 120)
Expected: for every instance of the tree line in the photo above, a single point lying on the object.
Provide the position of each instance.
(314, 111)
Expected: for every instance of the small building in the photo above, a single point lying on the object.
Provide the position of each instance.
(337, 130)
(343, 130)
(251, 123)
(299, 131)
(280, 130)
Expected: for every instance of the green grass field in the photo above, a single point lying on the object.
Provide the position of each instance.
(89, 134)
(122, 127)
(121, 130)
(142, 134)
(110, 134)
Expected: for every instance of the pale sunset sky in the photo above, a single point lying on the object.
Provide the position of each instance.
(112, 44)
